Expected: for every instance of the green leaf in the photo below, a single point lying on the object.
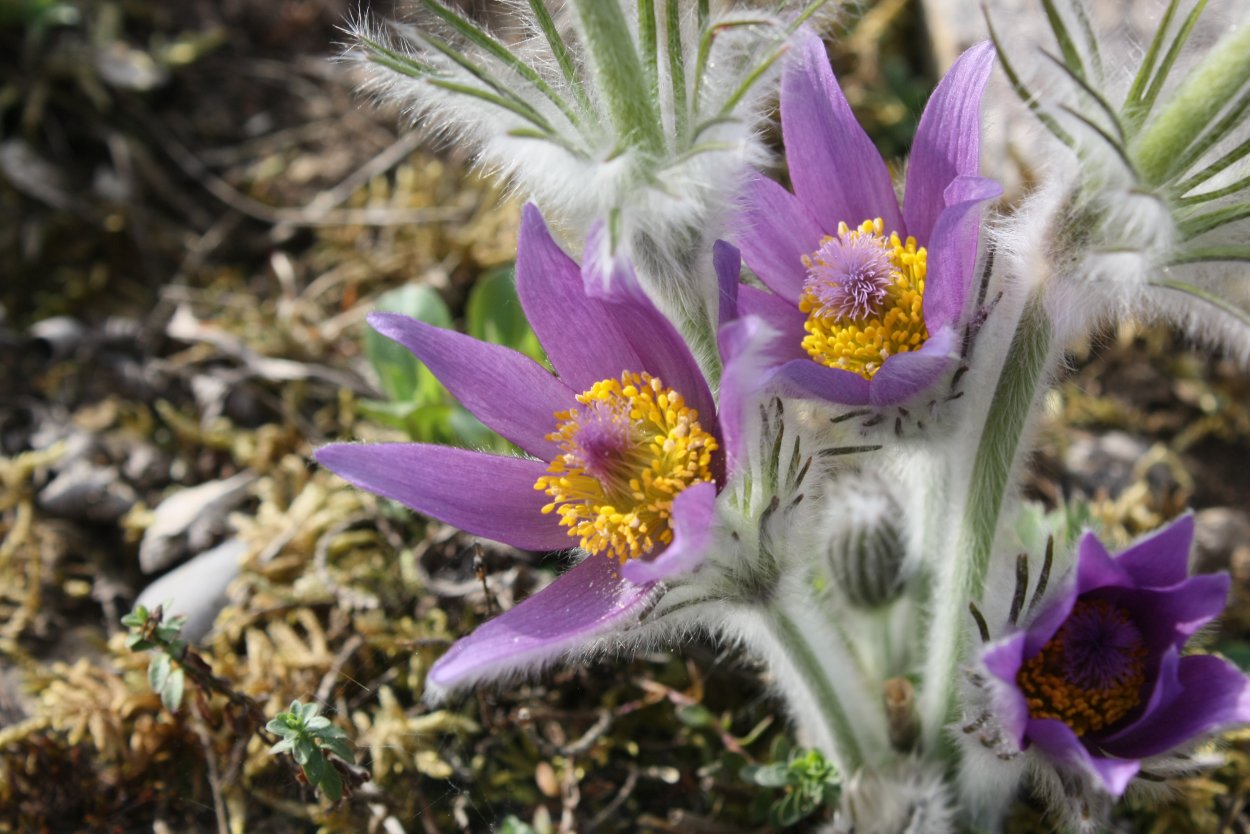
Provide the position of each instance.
(513, 825)
(1238, 651)
(1169, 60)
(1071, 55)
(1022, 92)
(331, 732)
(450, 424)
(338, 747)
(677, 68)
(1147, 68)
(393, 414)
(494, 314)
(171, 692)
(331, 783)
(313, 763)
(776, 775)
(619, 73)
(402, 376)
(560, 51)
(158, 672)
(316, 723)
(695, 715)
(282, 746)
(485, 41)
(789, 810)
(305, 752)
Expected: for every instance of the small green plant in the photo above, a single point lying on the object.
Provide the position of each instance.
(808, 781)
(149, 630)
(416, 402)
(308, 737)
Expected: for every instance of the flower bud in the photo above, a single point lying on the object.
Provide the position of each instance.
(865, 545)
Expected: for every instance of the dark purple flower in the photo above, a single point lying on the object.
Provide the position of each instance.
(866, 298)
(625, 446)
(1097, 682)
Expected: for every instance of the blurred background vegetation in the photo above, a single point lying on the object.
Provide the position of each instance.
(196, 213)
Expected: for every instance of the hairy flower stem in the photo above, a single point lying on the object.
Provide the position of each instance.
(697, 328)
(1021, 379)
(794, 644)
(1204, 93)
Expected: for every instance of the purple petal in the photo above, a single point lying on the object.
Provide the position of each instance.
(806, 380)
(948, 140)
(775, 231)
(953, 251)
(1057, 741)
(582, 338)
(744, 349)
(783, 319)
(904, 375)
(660, 348)
(1003, 660)
(487, 495)
(507, 391)
(692, 527)
(587, 601)
(1168, 617)
(1202, 694)
(1096, 569)
(1162, 558)
(727, 261)
(1115, 774)
(837, 173)
(1050, 620)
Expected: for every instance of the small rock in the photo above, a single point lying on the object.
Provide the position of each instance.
(1104, 463)
(188, 520)
(84, 491)
(1222, 541)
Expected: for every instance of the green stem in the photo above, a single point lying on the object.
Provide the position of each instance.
(963, 579)
(1202, 95)
(625, 83)
(807, 664)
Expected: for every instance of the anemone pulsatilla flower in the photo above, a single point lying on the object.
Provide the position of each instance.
(625, 445)
(1097, 682)
(866, 298)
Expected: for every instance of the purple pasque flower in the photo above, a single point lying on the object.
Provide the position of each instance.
(866, 298)
(625, 453)
(1096, 683)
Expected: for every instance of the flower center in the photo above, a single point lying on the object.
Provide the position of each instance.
(627, 451)
(1090, 674)
(864, 298)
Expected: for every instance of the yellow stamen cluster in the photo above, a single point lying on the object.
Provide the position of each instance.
(1051, 691)
(861, 345)
(621, 500)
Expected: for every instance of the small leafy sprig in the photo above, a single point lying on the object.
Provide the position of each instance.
(308, 737)
(300, 731)
(149, 630)
(808, 779)
(176, 661)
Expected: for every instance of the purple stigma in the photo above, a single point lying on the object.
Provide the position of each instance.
(604, 436)
(1101, 646)
(849, 276)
